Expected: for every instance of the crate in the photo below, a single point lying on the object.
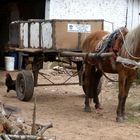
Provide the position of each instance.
(52, 34)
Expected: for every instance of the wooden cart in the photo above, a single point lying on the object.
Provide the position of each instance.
(47, 40)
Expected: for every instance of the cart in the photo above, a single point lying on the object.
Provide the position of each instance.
(37, 41)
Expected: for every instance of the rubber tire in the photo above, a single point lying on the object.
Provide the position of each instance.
(24, 85)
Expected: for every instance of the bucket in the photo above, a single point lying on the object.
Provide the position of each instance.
(9, 63)
(15, 55)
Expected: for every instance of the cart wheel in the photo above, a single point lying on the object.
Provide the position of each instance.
(24, 85)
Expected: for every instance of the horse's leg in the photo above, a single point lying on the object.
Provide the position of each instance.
(128, 84)
(121, 97)
(120, 109)
(97, 88)
(87, 84)
(125, 81)
(124, 86)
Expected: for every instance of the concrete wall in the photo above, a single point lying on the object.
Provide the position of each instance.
(133, 13)
(110, 10)
(47, 9)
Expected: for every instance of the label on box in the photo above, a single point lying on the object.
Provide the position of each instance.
(81, 28)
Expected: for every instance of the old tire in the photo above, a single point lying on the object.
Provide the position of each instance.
(24, 85)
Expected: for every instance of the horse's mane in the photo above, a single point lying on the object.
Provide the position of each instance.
(132, 40)
(92, 40)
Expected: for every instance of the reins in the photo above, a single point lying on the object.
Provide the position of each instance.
(132, 56)
(123, 63)
(138, 58)
(112, 80)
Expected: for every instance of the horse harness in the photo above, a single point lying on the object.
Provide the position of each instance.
(110, 43)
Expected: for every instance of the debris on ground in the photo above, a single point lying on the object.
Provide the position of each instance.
(16, 129)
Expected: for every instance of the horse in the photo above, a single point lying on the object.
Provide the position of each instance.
(95, 68)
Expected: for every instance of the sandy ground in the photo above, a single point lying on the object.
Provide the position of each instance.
(63, 106)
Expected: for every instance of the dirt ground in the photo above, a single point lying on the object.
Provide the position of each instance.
(63, 106)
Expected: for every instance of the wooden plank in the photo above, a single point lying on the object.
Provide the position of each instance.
(28, 50)
(84, 54)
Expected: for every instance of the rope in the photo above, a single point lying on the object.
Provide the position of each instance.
(100, 67)
(112, 80)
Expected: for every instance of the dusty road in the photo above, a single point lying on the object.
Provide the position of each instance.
(63, 106)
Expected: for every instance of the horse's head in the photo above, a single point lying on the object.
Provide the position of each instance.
(131, 46)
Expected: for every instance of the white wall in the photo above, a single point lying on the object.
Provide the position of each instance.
(133, 13)
(47, 9)
(110, 10)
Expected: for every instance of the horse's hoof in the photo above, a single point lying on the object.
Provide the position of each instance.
(120, 119)
(87, 109)
(125, 117)
(98, 107)
(98, 110)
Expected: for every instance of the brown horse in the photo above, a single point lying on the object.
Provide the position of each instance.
(95, 67)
